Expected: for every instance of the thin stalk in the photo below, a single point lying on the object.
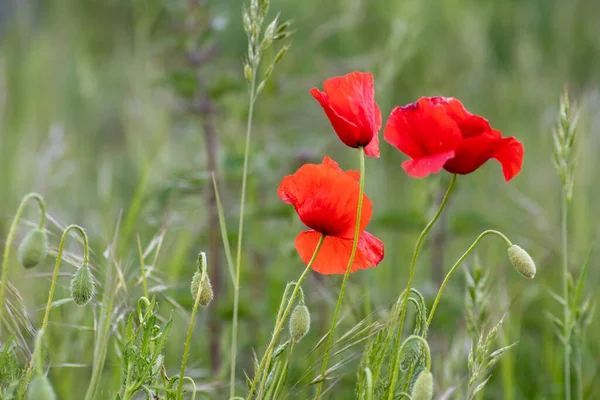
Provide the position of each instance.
(455, 266)
(361, 189)
(425, 346)
(143, 267)
(9, 239)
(86, 252)
(394, 376)
(284, 372)
(236, 294)
(266, 360)
(566, 322)
(188, 340)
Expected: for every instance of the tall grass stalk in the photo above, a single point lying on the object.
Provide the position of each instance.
(9, 239)
(361, 189)
(566, 308)
(266, 360)
(397, 350)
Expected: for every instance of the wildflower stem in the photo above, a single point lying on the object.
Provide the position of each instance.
(9, 239)
(425, 346)
(188, 340)
(264, 363)
(397, 352)
(143, 267)
(236, 288)
(361, 189)
(460, 260)
(61, 247)
(565, 271)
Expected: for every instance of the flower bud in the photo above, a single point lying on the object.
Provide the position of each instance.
(423, 388)
(206, 295)
(299, 323)
(40, 389)
(522, 261)
(33, 248)
(410, 355)
(82, 286)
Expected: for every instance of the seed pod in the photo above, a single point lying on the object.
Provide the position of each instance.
(206, 295)
(40, 389)
(299, 323)
(33, 248)
(423, 388)
(82, 286)
(522, 261)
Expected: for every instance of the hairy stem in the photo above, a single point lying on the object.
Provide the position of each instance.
(263, 366)
(459, 262)
(396, 363)
(361, 189)
(9, 239)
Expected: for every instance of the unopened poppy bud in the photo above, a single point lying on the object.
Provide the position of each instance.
(299, 323)
(82, 286)
(423, 388)
(40, 389)
(206, 295)
(522, 261)
(33, 248)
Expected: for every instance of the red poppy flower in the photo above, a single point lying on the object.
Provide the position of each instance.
(437, 132)
(326, 199)
(349, 102)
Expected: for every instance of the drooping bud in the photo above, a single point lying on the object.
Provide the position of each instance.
(207, 294)
(82, 286)
(299, 322)
(40, 389)
(423, 388)
(410, 355)
(522, 261)
(33, 248)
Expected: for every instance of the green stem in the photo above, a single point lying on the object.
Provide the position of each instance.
(86, 252)
(190, 331)
(143, 267)
(566, 322)
(460, 260)
(394, 375)
(9, 239)
(361, 188)
(236, 294)
(425, 346)
(279, 326)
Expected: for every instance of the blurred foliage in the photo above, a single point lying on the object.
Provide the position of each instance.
(92, 115)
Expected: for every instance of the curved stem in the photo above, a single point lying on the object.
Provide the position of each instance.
(11, 233)
(361, 189)
(236, 294)
(394, 376)
(279, 326)
(460, 260)
(425, 345)
(53, 287)
(190, 331)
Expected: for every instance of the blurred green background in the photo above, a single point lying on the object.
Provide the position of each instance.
(117, 111)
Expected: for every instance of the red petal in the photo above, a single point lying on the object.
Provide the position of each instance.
(326, 199)
(422, 129)
(346, 130)
(469, 124)
(332, 163)
(422, 167)
(335, 253)
(472, 153)
(510, 156)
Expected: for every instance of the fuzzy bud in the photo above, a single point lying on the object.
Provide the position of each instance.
(33, 248)
(299, 323)
(82, 286)
(410, 355)
(206, 295)
(423, 388)
(40, 389)
(522, 261)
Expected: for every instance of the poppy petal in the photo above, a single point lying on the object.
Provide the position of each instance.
(510, 155)
(372, 149)
(346, 130)
(332, 163)
(422, 129)
(469, 124)
(422, 167)
(335, 252)
(326, 199)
